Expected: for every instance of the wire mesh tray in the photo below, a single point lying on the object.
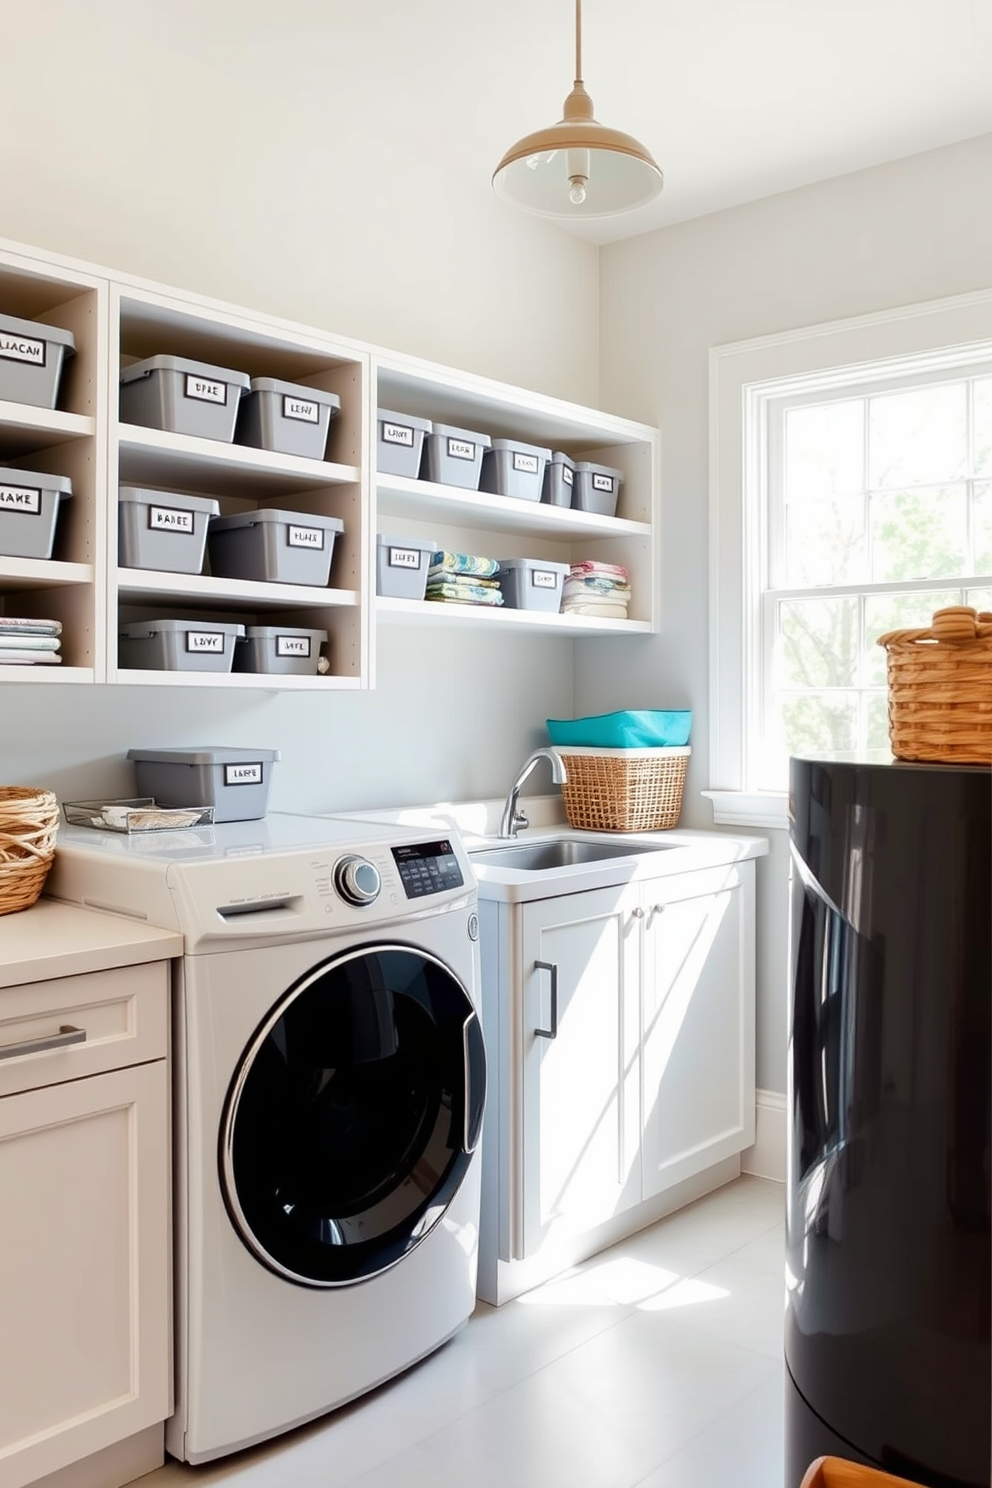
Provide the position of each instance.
(138, 815)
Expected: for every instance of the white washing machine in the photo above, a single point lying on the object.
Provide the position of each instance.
(329, 1090)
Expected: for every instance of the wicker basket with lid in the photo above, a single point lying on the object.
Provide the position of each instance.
(29, 820)
(940, 688)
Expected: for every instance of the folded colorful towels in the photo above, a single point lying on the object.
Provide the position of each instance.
(600, 589)
(463, 578)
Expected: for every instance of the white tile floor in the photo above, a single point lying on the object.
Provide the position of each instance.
(657, 1364)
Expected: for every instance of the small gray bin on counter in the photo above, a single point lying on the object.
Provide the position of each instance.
(235, 782)
(532, 583)
(284, 649)
(399, 442)
(163, 530)
(596, 488)
(401, 565)
(453, 457)
(184, 397)
(286, 417)
(178, 646)
(32, 356)
(273, 546)
(511, 468)
(559, 480)
(29, 508)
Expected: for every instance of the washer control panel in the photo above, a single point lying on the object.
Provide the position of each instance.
(357, 880)
(427, 867)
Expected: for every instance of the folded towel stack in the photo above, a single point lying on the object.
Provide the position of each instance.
(596, 589)
(463, 578)
(29, 642)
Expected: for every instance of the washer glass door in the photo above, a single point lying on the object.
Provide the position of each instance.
(353, 1114)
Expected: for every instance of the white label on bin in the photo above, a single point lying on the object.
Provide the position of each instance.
(168, 519)
(205, 640)
(397, 434)
(567, 474)
(26, 499)
(289, 645)
(603, 483)
(404, 557)
(22, 349)
(297, 408)
(243, 774)
(544, 578)
(204, 391)
(461, 449)
(527, 463)
(305, 537)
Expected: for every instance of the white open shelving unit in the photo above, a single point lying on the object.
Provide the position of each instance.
(117, 319)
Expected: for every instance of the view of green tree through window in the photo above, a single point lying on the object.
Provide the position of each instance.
(879, 513)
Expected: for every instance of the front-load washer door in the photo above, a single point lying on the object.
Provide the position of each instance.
(353, 1115)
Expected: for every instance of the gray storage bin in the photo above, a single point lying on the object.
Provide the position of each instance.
(286, 417)
(178, 646)
(453, 457)
(167, 392)
(399, 442)
(596, 488)
(511, 468)
(235, 782)
(29, 507)
(532, 583)
(163, 530)
(401, 565)
(285, 649)
(280, 547)
(32, 356)
(559, 480)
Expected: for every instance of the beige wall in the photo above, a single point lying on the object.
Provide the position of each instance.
(916, 229)
(279, 156)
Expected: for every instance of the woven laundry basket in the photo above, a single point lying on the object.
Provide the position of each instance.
(940, 688)
(624, 790)
(29, 820)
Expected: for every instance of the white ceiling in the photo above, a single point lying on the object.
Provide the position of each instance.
(737, 99)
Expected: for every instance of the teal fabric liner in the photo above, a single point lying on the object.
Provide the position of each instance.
(628, 729)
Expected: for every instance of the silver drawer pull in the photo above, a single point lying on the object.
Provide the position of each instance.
(552, 1032)
(61, 1040)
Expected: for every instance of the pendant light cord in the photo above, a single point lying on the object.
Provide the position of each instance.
(578, 41)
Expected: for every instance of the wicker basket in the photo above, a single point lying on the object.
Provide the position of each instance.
(624, 790)
(940, 688)
(29, 820)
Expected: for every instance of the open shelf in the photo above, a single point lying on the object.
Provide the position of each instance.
(232, 594)
(256, 681)
(37, 674)
(427, 501)
(24, 429)
(520, 622)
(157, 457)
(42, 573)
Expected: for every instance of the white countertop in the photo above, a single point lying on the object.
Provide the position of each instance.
(52, 939)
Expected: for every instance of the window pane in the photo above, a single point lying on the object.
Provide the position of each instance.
(824, 542)
(820, 724)
(981, 522)
(983, 426)
(824, 450)
(979, 599)
(918, 534)
(917, 436)
(878, 742)
(885, 612)
(817, 643)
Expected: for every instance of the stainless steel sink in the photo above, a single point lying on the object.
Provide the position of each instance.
(559, 852)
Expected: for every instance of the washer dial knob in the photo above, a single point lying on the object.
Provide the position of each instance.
(357, 880)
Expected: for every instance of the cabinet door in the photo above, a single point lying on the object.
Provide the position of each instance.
(84, 1278)
(697, 1052)
(580, 1114)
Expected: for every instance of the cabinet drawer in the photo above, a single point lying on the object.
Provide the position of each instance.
(123, 1013)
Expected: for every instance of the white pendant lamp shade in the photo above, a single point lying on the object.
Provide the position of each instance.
(577, 168)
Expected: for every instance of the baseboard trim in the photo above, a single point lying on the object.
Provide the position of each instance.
(766, 1159)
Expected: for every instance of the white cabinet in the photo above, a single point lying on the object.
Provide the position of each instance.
(620, 1026)
(85, 1293)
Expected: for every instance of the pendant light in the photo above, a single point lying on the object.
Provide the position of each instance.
(578, 168)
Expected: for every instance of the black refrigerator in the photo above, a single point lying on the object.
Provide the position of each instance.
(888, 1260)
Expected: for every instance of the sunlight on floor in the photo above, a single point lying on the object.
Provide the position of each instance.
(625, 1282)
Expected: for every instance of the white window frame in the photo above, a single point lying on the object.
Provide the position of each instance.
(745, 376)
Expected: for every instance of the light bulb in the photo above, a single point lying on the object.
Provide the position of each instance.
(577, 195)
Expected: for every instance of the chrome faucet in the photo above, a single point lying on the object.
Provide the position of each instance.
(512, 819)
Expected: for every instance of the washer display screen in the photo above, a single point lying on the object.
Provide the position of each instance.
(428, 867)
